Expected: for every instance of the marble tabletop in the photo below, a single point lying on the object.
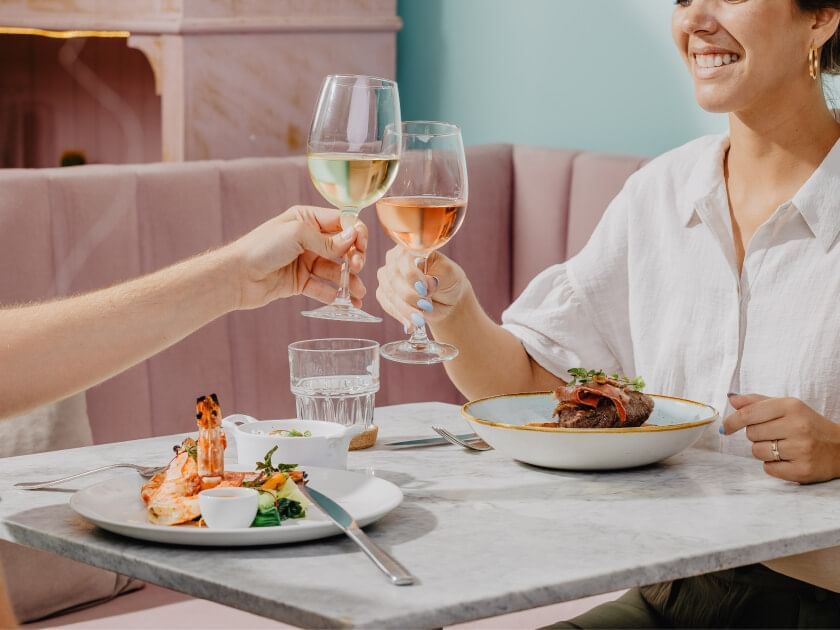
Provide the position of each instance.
(484, 534)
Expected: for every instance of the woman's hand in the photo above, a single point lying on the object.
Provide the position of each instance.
(413, 298)
(298, 252)
(808, 443)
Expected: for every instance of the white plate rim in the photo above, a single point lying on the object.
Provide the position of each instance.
(254, 536)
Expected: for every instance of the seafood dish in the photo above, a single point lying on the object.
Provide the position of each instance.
(595, 400)
(171, 495)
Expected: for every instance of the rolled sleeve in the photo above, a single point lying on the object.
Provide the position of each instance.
(552, 324)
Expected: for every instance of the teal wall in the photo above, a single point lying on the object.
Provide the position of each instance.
(589, 74)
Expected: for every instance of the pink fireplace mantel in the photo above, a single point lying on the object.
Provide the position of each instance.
(235, 77)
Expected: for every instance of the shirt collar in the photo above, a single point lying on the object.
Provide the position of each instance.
(706, 177)
(818, 201)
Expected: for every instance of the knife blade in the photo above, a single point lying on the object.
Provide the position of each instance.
(432, 441)
(397, 573)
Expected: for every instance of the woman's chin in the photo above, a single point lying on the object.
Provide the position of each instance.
(715, 102)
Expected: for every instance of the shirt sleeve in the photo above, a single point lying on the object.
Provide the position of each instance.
(576, 314)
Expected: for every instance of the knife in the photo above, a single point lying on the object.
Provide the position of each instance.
(397, 573)
(432, 441)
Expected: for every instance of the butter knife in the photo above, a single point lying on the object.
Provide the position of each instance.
(432, 441)
(396, 572)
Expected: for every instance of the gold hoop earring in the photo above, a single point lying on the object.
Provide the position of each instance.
(813, 63)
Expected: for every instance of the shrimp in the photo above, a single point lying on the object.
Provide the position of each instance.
(211, 438)
(176, 499)
(171, 496)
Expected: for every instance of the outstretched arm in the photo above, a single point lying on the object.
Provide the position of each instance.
(54, 349)
(491, 360)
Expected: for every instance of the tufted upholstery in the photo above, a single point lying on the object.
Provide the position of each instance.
(64, 231)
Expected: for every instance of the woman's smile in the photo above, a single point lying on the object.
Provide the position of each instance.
(709, 63)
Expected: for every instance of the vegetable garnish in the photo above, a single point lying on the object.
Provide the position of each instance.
(278, 503)
(582, 376)
(265, 466)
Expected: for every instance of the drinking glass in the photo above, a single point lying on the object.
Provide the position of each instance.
(335, 379)
(353, 156)
(424, 208)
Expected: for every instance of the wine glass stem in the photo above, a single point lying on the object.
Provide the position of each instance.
(348, 219)
(419, 340)
(343, 295)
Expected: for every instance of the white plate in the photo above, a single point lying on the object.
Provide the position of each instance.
(115, 505)
(674, 425)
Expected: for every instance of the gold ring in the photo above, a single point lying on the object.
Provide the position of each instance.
(774, 449)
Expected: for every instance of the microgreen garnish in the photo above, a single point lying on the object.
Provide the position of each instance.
(582, 376)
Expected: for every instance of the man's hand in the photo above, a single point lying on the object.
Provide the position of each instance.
(298, 253)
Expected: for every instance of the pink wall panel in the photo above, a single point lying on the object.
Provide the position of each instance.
(596, 179)
(95, 244)
(179, 216)
(27, 270)
(542, 182)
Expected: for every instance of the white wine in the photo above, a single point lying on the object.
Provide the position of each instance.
(352, 180)
(421, 224)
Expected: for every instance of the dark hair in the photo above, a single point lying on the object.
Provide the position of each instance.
(830, 55)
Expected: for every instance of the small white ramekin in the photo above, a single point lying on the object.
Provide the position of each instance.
(228, 508)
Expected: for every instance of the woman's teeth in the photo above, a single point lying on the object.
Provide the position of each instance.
(715, 61)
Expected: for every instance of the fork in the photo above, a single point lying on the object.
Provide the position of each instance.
(478, 445)
(145, 471)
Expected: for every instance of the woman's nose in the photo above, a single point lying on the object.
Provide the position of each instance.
(699, 17)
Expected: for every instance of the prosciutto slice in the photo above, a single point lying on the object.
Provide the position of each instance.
(590, 395)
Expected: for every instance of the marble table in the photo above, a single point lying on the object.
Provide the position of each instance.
(485, 535)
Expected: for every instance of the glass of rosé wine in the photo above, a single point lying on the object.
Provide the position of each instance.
(423, 209)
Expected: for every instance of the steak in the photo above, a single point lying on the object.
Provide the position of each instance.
(604, 415)
(593, 400)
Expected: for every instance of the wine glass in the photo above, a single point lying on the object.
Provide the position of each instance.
(353, 156)
(424, 208)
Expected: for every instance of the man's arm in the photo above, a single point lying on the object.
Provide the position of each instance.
(52, 350)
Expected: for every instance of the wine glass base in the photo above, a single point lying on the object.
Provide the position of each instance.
(342, 313)
(428, 353)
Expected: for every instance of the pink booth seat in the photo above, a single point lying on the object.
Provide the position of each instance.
(65, 231)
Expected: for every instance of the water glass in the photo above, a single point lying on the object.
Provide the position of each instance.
(335, 379)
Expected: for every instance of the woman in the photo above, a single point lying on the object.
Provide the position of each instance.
(714, 270)
(105, 332)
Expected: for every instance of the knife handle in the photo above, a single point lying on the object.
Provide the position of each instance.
(397, 573)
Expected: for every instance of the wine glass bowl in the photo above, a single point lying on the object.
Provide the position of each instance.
(353, 156)
(422, 211)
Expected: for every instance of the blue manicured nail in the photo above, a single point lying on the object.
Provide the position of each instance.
(420, 287)
(721, 431)
(418, 320)
(425, 305)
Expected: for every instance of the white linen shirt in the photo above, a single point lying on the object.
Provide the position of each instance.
(656, 292)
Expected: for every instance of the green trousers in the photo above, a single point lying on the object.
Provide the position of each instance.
(746, 597)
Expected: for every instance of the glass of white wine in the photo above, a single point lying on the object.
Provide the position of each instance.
(353, 156)
(424, 208)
